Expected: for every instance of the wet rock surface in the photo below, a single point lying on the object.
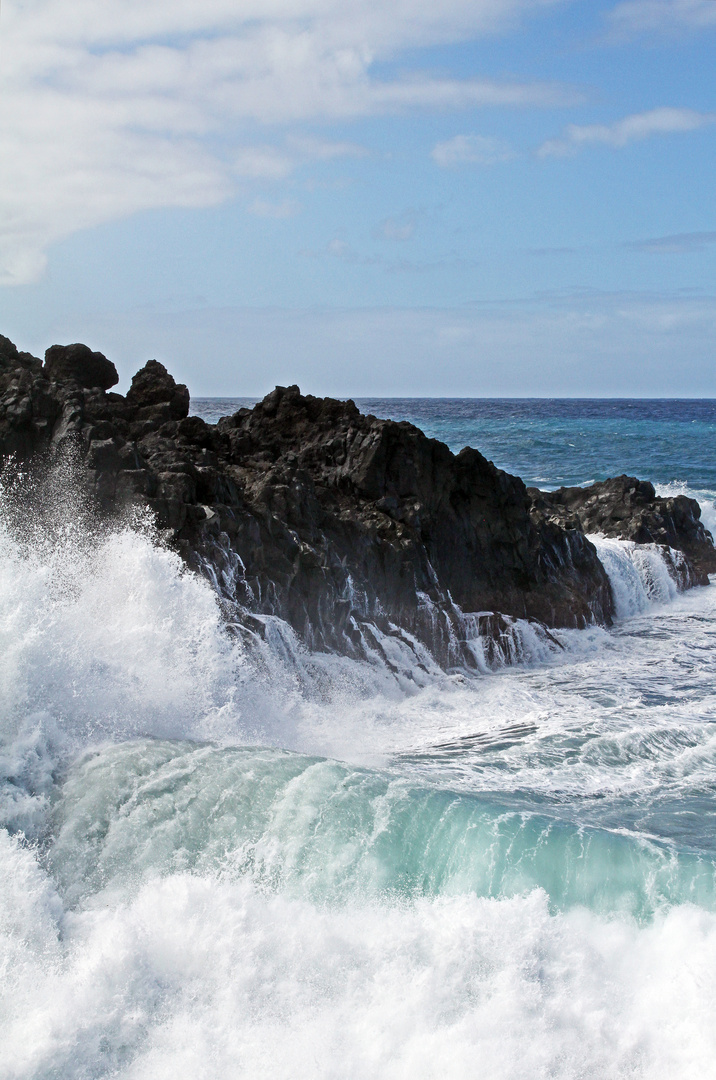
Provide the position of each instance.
(629, 509)
(340, 523)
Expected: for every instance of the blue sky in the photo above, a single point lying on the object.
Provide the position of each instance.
(496, 197)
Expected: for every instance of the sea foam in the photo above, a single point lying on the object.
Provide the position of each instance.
(225, 857)
(193, 977)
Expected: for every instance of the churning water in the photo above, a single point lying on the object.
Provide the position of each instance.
(224, 860)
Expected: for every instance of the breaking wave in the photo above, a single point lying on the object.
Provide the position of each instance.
(222, 853)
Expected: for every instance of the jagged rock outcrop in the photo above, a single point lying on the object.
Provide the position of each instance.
(629, 509)
(154, 395)
(389, 521)
(302, 507)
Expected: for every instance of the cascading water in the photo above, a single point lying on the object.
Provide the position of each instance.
(222, 854)
(640, 574)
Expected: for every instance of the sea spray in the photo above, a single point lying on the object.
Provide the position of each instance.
(103, 634)
(511, 872)
(640, 574)
(196, 977)
(106, 636)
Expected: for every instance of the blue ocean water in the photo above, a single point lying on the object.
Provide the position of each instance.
(220, 859)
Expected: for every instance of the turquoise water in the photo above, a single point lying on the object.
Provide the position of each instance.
(222, 860)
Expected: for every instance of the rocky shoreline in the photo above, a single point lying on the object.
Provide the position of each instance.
(340, 523)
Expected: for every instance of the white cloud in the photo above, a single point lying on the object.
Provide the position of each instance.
(662, 16)
(630, 129)
(262, 161)
(275, 163)
(309, 148)
(109, 108)
(470, 150)
(339, 248)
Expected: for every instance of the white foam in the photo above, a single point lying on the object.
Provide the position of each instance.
(101, 640)
(197, 978)
(640, 574)
(104, 637)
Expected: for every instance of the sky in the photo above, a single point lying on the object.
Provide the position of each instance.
(470, 198)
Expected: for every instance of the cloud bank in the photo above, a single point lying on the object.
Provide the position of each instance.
(111, 108)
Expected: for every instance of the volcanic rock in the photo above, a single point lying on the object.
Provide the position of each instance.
(77, 363)
(630, 509)
(155, 394)
(346, 526)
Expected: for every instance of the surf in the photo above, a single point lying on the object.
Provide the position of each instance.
(221, 848)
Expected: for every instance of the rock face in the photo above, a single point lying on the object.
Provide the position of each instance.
(77, 363)
(342, 524)
(629, 509)
(371, 516)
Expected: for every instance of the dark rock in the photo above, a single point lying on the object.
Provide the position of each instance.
(10, 357)
(347, 526)
(629, 509)
(77, 363)
(155, 396)
(103, 455)
(406, 515)
(8, 352)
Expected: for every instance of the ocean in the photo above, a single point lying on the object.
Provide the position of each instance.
(223, 861)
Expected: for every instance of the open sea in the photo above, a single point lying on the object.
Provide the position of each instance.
(222, 862)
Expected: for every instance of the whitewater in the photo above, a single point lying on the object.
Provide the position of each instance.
(222, 855)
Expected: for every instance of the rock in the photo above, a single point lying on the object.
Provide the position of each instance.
(28, 409)
(8, 352)
(404, 515)
(103, 455)
(347, 526)
(629, 509)
(10, 357)
(155, 395)
(77, 363)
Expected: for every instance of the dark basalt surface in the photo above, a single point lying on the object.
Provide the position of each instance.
(629, 509)
(77, 363)
(337, 522)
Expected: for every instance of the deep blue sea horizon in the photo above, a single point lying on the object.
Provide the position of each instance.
(558, 441)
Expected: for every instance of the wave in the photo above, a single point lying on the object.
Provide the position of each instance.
(196, 977)
(326, 831)
(512, 871)
(641, 575)
(106, 636)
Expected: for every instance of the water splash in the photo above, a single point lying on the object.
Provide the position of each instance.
(194, 977)
(186, 903)
(641, 575)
